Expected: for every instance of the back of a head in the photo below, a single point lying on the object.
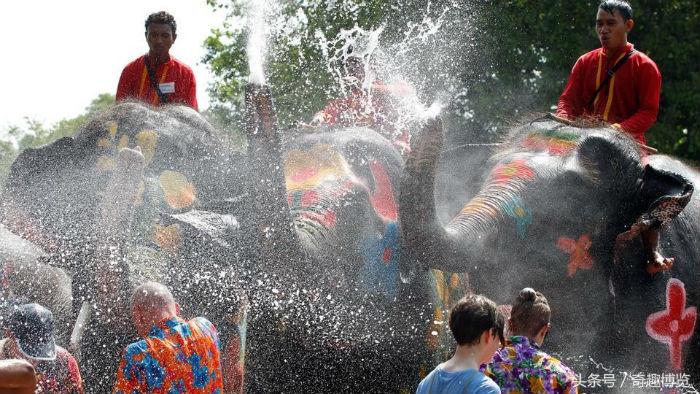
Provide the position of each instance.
(471, 316)
(621, 6)
(152, 297)
(530, 313)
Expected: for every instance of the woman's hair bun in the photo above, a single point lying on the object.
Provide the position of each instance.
(528, 294)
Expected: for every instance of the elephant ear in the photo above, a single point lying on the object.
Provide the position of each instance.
(665, 194)
(611, 162)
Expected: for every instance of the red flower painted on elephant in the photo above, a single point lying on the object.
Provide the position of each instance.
(578, 251)
(382, 198)
(675, 324)
(516, 169)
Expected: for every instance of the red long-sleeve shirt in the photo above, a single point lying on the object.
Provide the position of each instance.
(175, 78)
(631, 98)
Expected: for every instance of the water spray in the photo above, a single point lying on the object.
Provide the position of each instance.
(256, 48)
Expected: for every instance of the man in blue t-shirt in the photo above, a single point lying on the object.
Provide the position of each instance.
(477, 326)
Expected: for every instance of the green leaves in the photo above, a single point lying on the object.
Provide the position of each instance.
(492, 62)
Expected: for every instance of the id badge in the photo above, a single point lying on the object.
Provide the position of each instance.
(168, 87)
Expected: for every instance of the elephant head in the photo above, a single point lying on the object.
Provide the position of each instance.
(553, 201)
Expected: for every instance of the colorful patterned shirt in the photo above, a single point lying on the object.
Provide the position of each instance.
(177, 357)
(521, 367)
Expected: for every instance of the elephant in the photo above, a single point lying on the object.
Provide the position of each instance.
(305, 226)
(73, 199)
(558, 208)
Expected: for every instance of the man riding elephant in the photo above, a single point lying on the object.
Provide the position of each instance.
(620, 85)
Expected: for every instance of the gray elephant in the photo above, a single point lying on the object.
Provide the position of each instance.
(306, 225)
(560, 208)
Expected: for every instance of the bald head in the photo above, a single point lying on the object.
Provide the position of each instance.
(152, 303)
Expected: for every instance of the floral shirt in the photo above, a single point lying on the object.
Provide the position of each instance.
(177, 357)
(521, 367)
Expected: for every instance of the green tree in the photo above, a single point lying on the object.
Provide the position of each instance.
(491, 62)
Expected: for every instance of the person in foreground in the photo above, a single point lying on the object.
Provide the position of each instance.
(30, 337)
(174, 356)
(477, 326)
(520, 366)
(17, 377)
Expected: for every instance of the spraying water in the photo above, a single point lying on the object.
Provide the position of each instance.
(257, 40)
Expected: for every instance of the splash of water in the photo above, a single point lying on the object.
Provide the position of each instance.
(256, 48)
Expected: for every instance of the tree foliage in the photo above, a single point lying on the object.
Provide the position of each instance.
(490, 62)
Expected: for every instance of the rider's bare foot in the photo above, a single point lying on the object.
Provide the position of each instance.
(659, 263)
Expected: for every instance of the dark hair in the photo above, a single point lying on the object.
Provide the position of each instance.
(530, 312)
(471, 316)
(623, 7)
(161, 17)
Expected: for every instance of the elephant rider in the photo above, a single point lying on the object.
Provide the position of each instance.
(158, 78)
(370, 107)
(619, 85)
(30, 337)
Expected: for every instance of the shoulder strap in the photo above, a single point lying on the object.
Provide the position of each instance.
(154, 83)
(609, 76)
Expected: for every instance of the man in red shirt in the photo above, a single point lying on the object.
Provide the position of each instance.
(628, 99)
(158, 78)
(365, 106)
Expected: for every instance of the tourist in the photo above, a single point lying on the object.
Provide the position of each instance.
(30, 336)
(174, 355)
(520, 366)
(156, 77)
(17, 377)
(477, 327)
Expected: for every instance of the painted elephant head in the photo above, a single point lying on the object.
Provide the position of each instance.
(547, 215)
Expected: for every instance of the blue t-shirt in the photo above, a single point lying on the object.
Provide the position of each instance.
(468, 381)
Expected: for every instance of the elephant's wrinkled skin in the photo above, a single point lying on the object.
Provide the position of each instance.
(548, 213)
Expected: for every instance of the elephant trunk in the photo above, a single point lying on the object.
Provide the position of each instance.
(456, 247)
(276, 239)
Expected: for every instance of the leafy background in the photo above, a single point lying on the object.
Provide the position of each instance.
(489, 62)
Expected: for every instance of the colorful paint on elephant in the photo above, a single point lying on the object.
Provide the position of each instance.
(674, 325)
(554, 141)
(515, 170)
(448, 289)
(317, 179)
(577, 249)
(522, 216)
(381, 255)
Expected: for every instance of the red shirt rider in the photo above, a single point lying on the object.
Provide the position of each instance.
(631, 99)
(360, 108)
(174, 78)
